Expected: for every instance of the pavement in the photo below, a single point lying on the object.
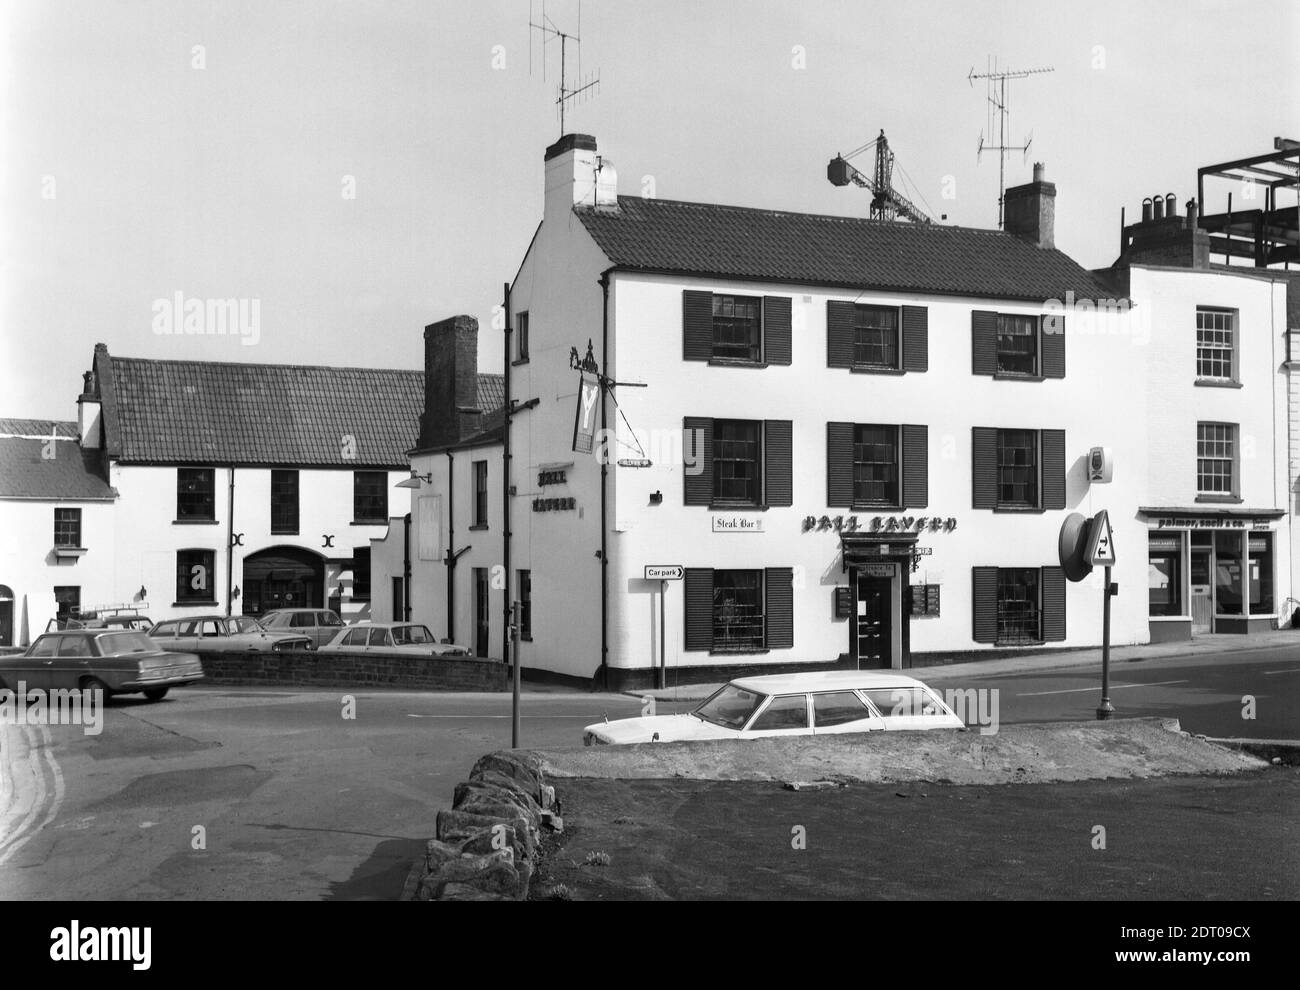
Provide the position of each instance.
(1201, 646)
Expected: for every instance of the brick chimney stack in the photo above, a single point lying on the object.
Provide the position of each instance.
(1029, 211)
(451, 411)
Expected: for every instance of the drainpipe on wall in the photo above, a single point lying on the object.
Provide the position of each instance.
(406, 571)
(451, 549)
(505, 530)
(604, 483)
(230, 543)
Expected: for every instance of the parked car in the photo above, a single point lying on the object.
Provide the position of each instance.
(822, 703)
(123, 620)
(320, 624)
(226, 632)
(115, 662)
(392, 638)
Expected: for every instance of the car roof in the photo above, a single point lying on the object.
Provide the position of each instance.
(389, 625)
(824, 680)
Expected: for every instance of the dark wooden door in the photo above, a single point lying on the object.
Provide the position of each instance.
(873, 622)
(482, 622)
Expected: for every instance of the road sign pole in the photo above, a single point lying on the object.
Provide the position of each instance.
(1105, 710)
(663, 663)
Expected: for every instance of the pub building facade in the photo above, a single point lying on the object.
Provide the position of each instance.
(1222, 409)
(843, 441)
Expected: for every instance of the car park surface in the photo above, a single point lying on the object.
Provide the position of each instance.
(820, 703)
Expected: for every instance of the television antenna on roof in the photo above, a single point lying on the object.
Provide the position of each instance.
(997, 100)
(585, 86)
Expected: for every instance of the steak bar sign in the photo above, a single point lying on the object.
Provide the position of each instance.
(737, 524)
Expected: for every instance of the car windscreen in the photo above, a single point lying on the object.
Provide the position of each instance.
(238, 625)
(730, 706)
(407, 635)
(120, 644)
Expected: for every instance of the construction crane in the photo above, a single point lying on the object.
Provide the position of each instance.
(887, 203)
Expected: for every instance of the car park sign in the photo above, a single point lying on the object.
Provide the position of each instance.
(664, 572)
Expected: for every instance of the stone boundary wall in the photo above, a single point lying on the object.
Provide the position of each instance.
(353, 670)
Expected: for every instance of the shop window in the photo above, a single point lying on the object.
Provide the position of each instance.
(1227, 576)
(1164, 576)
(1261, 574)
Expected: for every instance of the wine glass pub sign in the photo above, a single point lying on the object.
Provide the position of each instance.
(584, 423)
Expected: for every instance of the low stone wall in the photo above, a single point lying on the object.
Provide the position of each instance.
(354, 670)
(486, 846)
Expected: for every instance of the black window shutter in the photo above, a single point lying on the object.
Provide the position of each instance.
(916, 338)
(984, 342)
(839, 465)
(1053, 451)
(916, 467)
(1053, 340)
(697, 325)
(984, 604)
(778, 590)
(697, 445)
(984, 467)
(839, 334)
(776, 329)
(778, 462)
(1053, 585)
(699, 608)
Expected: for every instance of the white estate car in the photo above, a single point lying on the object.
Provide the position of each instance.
(792, 705)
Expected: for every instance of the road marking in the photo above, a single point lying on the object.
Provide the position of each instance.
(1291, 670)
(588, 715)
(1096, 687)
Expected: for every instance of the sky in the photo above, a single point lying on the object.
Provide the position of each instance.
(353, 171)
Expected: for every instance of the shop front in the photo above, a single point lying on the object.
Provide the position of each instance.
(1211, 571)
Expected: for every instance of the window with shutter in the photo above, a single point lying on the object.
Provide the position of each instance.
(738, 610)
(778, 462)
(1018, 469)
(1019, 606)
(984, 604)
(777, 323)
(779, 594)
(839, 334)
(698, 595)
(875, 465)
(916, 466)
(984, 342)
(737, 462)
(1052, 443)
(916, 338)
(1053, 599)
(984, 467)
(697, 325)
(839, 465)
(1053, 340)
(697, 460)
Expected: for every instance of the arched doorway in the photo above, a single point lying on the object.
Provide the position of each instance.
(6, 615)
(283, 577)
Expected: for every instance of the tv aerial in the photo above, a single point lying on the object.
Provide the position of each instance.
(584, 87)
(998, 106)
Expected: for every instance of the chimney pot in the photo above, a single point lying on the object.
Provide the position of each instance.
(1038, 171)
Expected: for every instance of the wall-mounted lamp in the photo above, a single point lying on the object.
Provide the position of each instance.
(656, 498)
(234, 593)
(415, 480)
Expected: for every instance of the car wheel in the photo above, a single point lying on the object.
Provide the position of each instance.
(95, 684)
(156, 694)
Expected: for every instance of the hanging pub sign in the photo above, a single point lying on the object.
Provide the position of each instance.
(584, 419)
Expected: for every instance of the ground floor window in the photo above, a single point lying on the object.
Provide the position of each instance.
(194, 575)
(1019, 608)
(1261, 574)
(67, 598)
(1227, 573)
(738, 610)
(1164, 575)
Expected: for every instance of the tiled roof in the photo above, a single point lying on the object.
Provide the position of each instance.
(43, 428)
(197, 412)
(835, 252)
(72, 473)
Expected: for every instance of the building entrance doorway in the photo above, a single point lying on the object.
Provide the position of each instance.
(283, 577)
(873, 624)
(482, 620)
(1202, 591)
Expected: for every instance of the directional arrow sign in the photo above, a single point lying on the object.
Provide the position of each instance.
(1101, 544)
(664, 572)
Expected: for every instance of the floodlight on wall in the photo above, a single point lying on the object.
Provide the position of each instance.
(415, 480)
